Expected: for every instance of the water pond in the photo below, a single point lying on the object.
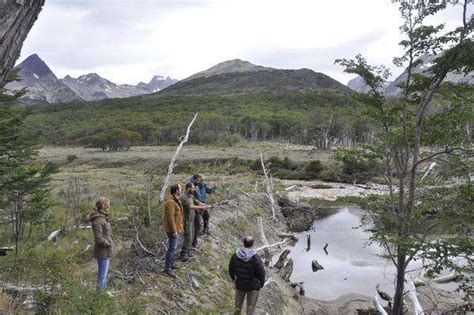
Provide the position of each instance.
(351, 264)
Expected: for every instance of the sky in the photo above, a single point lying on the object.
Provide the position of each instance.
(128, 41)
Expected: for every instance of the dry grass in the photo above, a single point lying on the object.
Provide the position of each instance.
(249, 150)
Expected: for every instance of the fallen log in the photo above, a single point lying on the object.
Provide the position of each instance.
(378, 305)
(287, 270)
(417, 309)
(281, 260)
(449, 278)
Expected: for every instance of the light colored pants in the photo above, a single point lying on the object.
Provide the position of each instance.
(252, 298)
(103, 264)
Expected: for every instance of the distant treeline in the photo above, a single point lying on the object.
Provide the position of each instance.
(322, 118)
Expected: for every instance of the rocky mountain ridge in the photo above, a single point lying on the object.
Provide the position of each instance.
(43, 86)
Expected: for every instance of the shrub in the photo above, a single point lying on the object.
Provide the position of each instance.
(358, 163)
(115, 140)
(314, 167)
(71, 158)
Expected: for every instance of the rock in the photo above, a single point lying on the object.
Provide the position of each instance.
(300, 216)
(287, 270)
(281, 260)
(316, 266)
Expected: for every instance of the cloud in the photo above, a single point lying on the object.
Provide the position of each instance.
(128, 41)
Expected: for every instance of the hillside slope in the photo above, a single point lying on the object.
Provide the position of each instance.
(239, 77)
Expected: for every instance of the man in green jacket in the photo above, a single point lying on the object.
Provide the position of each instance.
(190, 204)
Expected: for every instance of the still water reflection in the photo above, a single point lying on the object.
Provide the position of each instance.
(351, 265)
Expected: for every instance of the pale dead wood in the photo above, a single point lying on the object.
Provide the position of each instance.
(417, 309)
(183, 140)
(268, 185)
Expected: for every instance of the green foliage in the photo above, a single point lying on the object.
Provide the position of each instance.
(23, 183)
(287, 169)
(359, 163)
(410, 221)
(222, 119)
(314, 167)
(115, 140)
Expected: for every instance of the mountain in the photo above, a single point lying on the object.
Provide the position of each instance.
(41, 83)
(358, 85)
(158, 83)
(427, 61)
(230, 66)
(237, 76)
(44, 87)
(92, 87)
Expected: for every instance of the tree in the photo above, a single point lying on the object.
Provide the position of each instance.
(413, 213)
(72, 196)
(327, 130)
(23, 182)
(16, 18)
(115, 140)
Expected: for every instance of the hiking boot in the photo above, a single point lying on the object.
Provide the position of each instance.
(171, 273)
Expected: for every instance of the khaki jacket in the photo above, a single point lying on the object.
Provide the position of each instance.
(173, 220)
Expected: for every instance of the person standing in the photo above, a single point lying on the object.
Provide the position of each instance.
(173, 225)
(247, 271)
(190, 205)
(104, 247)
(201, 193)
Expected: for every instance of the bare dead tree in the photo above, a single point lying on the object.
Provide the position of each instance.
(72, 196)
(264, 240)
(268, 185)
(16, 20)
(132, 216)
(183, 140)
(149, 197)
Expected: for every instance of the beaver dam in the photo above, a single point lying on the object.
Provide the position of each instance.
(346, 285)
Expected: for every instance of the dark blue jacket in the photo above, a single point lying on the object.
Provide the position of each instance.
(202, 191)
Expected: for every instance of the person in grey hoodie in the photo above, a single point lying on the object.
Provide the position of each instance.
(247, 271)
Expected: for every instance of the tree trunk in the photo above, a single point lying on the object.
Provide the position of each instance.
(16, 19)
(398, 298)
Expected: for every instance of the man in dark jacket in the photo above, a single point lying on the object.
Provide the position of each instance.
(247, 272)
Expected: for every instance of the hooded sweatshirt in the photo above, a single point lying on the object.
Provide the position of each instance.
(245, 254)
(246, 270)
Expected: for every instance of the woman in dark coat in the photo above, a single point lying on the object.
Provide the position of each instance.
(104, 247)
